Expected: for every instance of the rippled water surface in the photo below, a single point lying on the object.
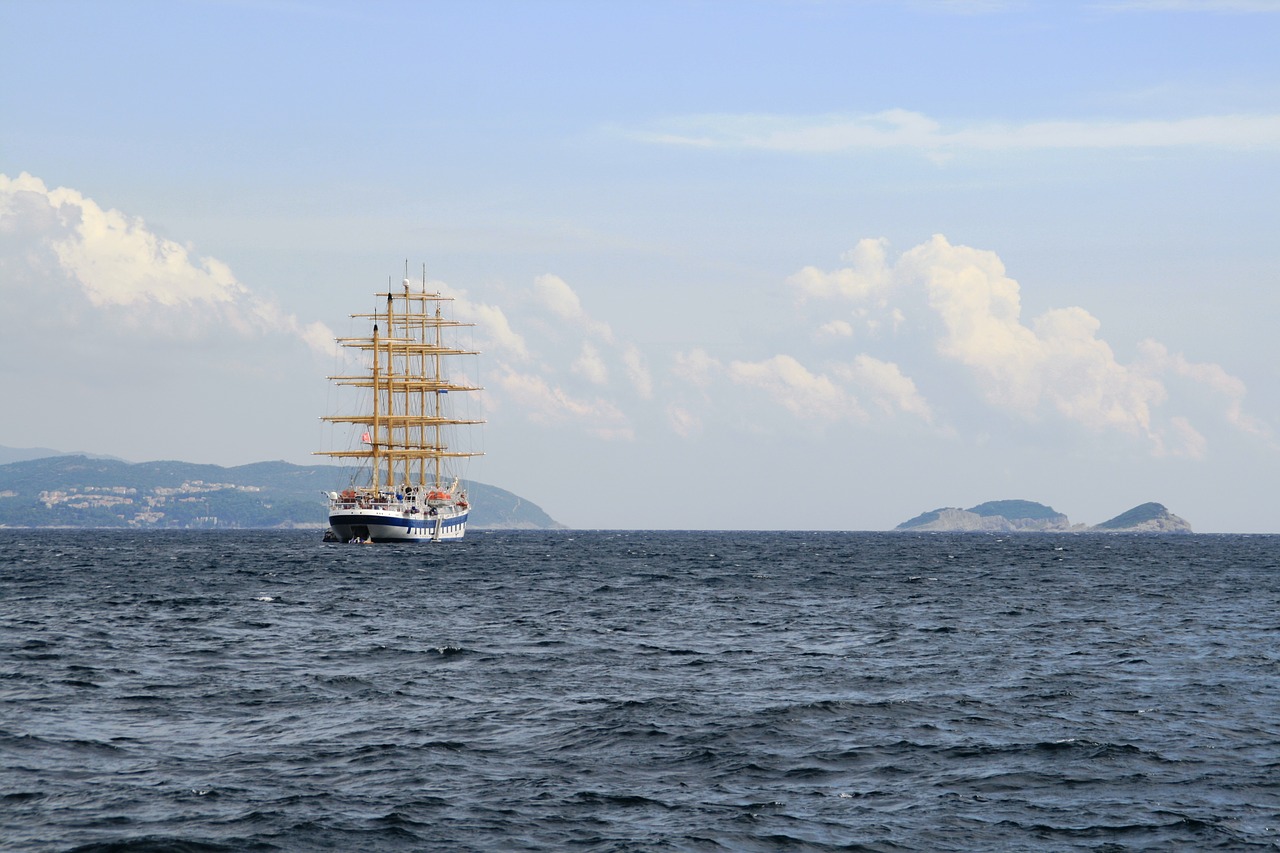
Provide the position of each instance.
(639, 691)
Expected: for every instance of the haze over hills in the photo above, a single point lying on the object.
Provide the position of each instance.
(1013, 516)
(82, 491)
(23, 454)
(46, 488)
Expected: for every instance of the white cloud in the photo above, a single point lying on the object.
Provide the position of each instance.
(905, 129)
(1156, 358)
(1055, 365)
(1059, 360)
(683, 422)
(317, 336)
(634, 361)
(980, 309)
(866, 276)
(491, 322)
(142, 280)
(588, 347)
(558, 297)
(1186, 440)
(835, 329)
(885, 382)
(806, 395)
(590, 365)
(697, 367)
(868, 281)
(553, 405)
(567, 343)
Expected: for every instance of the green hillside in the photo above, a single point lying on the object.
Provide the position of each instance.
(78, 491)
(1015, 509)
(1143, 513)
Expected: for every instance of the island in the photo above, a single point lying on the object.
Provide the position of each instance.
(1022, 516)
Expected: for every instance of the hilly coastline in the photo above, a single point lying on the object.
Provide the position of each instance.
(82, 491)
(1021, 516)
(47, 489)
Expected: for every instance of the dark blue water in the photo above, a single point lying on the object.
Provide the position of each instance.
(639, 691)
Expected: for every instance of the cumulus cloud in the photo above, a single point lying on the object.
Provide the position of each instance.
(551, 405)
(683, 422)
(696, 367)
(1055, 365)
(1058, 360)
(868, 281)
(491, 321)
(835, 329)
(558, 297)
(806, 395)
(834, 393)
(119, 266)
(1185, 440)
(887, 386)
(575, 347)
(590, 365)
(638, 371)
(866, 276)
(1156, 358)
(559, 366)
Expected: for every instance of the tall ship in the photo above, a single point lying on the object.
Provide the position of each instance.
(405, 488)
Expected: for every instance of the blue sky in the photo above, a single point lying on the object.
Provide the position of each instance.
(792, 264)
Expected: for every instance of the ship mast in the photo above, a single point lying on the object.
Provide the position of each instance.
(375, 439)
(390, 391)
(404, 427)
(435, 406)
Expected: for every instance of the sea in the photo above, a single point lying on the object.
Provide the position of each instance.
(639, 691)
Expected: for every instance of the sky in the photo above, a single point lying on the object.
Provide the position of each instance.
(795, 265)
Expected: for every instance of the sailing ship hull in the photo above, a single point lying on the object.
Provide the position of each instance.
(389, 525)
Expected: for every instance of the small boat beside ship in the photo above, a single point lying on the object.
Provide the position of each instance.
(405, 489)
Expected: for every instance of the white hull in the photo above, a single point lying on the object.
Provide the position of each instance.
(392, 524)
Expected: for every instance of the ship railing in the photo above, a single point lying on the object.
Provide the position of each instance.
(402, 499)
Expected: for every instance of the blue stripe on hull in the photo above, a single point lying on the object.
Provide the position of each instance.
(411, 523)
(397, 528)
